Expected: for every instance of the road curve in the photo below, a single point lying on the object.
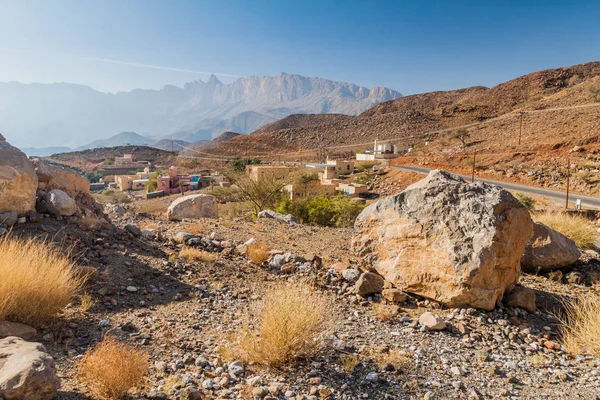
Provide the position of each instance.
(587, 202)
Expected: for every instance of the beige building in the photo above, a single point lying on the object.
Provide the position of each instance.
(126, 182)
(257, 172)
(352, 189)
(299, 191)
(342, 167)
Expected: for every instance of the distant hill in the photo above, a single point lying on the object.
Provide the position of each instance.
(66, 114)
(91, 159)
(402, 119)
(170, 144)
(121, 139)
(43, 151)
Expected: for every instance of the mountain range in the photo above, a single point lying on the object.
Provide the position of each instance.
(65, 114)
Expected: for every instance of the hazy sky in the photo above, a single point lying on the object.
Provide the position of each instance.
(411, 46)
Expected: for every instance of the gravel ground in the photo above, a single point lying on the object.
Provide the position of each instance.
(179, 312)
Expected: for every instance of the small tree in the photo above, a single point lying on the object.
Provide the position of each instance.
(262, 193)
(462, 135)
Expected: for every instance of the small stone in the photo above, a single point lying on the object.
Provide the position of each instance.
(23, 331)
(132, 289)
(350, 275)
(456, 371)
(372, 377)
(236, 368)
(288, 268)
(394, 295)
(207, 384)
(432, 322)
(259, 392)
(368, 283)
(521, 297)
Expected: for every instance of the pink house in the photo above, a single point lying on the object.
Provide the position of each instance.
(174, 183)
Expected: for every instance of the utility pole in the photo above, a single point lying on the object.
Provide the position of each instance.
(473, 169)
(568, 176)
(521, 127)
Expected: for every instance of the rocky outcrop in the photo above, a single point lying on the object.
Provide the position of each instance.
(26, 371)
(193, 206)
(55, 177)
(444, 239)
(548, 250)
(60, 203)
(18, 181)
(521, 297)
(288, 218)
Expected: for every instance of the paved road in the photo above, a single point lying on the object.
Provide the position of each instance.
(587, 202)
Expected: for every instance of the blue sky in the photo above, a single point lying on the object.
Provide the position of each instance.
(410, 46)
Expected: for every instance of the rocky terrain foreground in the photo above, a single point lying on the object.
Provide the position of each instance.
(179, 312)
(427, 297)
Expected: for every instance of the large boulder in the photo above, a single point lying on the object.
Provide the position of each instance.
(447, 240)
(56, 177)
(60, 203)
(548, 250)
(26, 371)
(18, 181)
(193, 206)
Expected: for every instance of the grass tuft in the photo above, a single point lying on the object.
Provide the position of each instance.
(581, 326)
(36, 281)
(258, 253)
(290, 321)
(193, 254)
(111, 369)
(573, 226)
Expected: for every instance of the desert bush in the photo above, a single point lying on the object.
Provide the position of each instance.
(595, 92)
(111, 369)
(349, 362)
(575, 227)
(116, 196)
(36, 281)
(339, 211)
(290, 321)
(527, 201)
(261, 194)
(225, 194)
(258, 253)
(581, 326)
(364, 179)
(365, 166)
(193, 254)
(384, 357)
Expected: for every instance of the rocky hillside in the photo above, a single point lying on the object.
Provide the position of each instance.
(92, 158)
(69, 114)
(412, 119)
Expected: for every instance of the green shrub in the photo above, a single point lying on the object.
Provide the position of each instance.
(240, 165)
(92, 177)
(364, 179)
(367, 165)
(116, 196)
(339, 211)
(527, 201)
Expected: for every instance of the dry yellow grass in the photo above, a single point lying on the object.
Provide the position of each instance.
(573, 226)
(36, 281)
(349, 362)
(111, 369)
(87, 302)
(155, 207)
(581, 326)
(384, 312)
(196, 229)
(290, 321)
(398, 358)
(258, 253)
(193, 254)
